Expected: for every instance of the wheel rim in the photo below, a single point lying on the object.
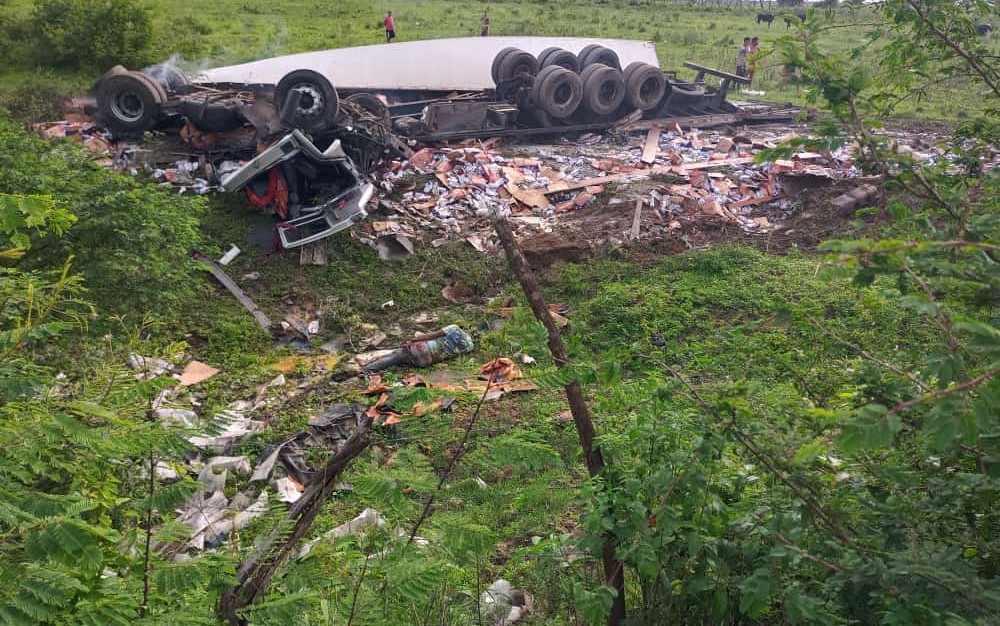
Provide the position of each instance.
(127, 106)
(310, 99)
(608, 91)
(648, 89)
(563, 94)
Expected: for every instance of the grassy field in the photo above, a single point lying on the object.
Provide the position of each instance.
(210, 34)
(726, 316)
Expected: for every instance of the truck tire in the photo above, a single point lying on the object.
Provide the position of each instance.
(516, 64)
(585, 52)
(544, 55)
(317, 104)
(171, 78)
(644, 86)
(603, 89)
(557, 91)
(130, 102)
(495, 68)
(599, 55)
(560, 57)
(212, 117)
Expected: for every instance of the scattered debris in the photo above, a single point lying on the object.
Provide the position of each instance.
(856, 198)
(231, 254)
(458, 292)
(148, 367)
(262, 320)
(368, 518)
(196, 372)
(503, 605)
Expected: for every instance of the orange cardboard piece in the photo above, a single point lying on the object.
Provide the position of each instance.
(414, 380)
(375, 385)
(421, 159)
(500, 369)
(195, 372)
(422, 408)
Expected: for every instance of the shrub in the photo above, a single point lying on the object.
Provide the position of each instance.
(91, 33)
(131, 240)
(36, 99)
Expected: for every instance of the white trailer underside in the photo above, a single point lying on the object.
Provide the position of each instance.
(461, 63)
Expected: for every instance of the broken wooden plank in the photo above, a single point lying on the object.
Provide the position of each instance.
(313, 253)
(238, 293)
(566, 185)
(652, 146)
(634, 234)
(756, 200)
(719, 163)
(529, 197)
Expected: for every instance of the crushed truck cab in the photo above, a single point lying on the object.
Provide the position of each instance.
(324, 187)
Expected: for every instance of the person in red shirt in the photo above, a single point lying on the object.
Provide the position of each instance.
(390, 27)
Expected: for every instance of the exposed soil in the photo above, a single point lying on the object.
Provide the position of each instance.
(589, 231)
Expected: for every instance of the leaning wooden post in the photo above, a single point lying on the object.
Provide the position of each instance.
(614, 570)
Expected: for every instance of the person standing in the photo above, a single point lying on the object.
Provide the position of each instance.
(390, 27)
(741, 57)
(752, 54)
(485, 30)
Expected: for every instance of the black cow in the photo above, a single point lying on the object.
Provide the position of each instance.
(984, 29)
(765, 17)
(801, 15)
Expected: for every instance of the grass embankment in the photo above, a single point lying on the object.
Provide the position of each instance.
(718, 317)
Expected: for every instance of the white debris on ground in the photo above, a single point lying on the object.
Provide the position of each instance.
(693, 180)
(502, 605)
(446, 194)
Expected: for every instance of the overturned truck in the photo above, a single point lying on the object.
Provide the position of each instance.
(329, 118)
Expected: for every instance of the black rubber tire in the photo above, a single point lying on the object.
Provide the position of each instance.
(600, 55)
(516, 64)
(631, 67)
(494, 69)
(586, 51)
(371, 104)
(171, 78)
(561, 58)
(545, 54)
(130, 102)
(686, 100)
(158, 90)
(688, 94)
(212, 117)
(557, 91)
(603, 89)
(318, 106)
(644, 86)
